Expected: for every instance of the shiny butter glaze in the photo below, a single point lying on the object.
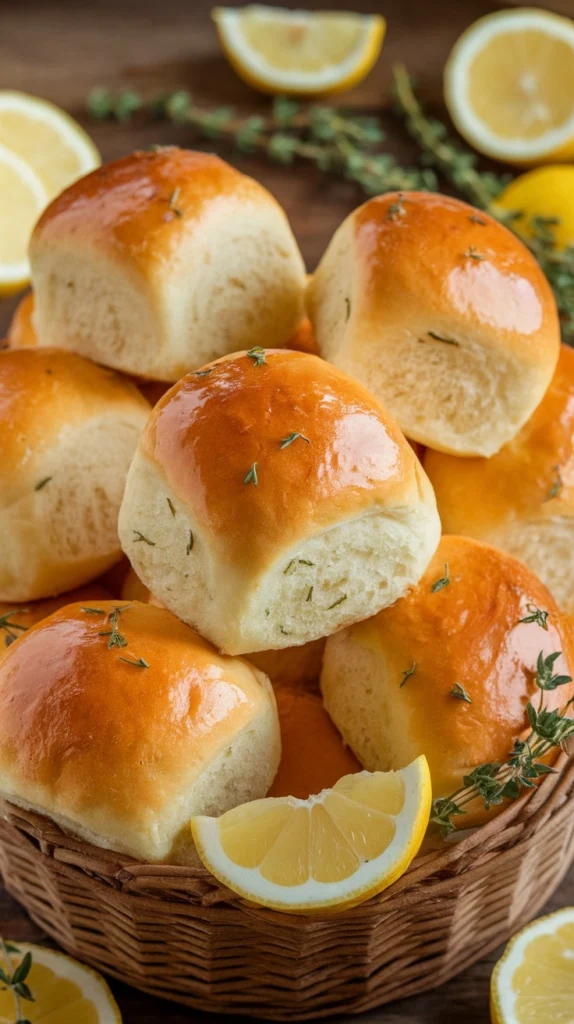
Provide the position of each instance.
(313, 756)
(480, 495)
(209, 430)
(44, 390)
(435, 259)
(26, 615)
(144, 204)
(79, 728)
(21, 332)
(469, 632)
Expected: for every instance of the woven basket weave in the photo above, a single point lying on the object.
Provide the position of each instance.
(175, 932)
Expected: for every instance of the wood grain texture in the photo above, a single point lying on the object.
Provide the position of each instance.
(61, 50)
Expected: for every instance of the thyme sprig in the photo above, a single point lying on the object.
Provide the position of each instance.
(348, 146)
(116, 639)
(333, 141)
(15, 979)
(9, 627)
(460, 167)
(495, 781)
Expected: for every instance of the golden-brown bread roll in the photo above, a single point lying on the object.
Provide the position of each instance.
(68, 430)
(132, 588)
(17, 619)
(443, 313)
(288, 665)
(22, 332)
(522, 499)
(272, 500)
(133, 725)
(161, 261)
(390, 683)
(313, 755)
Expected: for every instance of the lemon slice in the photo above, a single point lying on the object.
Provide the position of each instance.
(533, 982)
(333, 850)
(64, 991)
(23, 199)
(509, 86)
(47, 138)
(299, 52)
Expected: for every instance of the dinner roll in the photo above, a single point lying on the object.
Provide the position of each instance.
(522, 499)
(22, 332)
(68, 430)
(17, 619)
(443, 313)
(300, 665)
(161, 261)
(313, 755)
(448, 670)
(272, 500)
(133, 725)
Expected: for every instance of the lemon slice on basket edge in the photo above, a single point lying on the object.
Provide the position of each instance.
(509, 83)
(63, 989)
(24, 198)
(55, 146)
(331, 851)
(533, 982)
(298, 52)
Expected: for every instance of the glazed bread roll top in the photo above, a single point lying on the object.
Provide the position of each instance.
(161, 261)
(445, 316)
(522, 499)
(133, 725)
(17, 619)
(272, 500)
(449, 669)
(68, 432)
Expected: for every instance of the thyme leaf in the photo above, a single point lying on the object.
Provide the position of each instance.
(459, 693)
(408, 672)
(251, 476)
(140, 537)
(443, 581)
(293, 437)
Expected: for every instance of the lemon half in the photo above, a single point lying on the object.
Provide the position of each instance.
(509, 86)
(330, 851)
(289, 52)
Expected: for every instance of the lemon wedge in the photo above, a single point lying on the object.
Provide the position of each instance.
(308, 53)
(63, 990)
(509, 86)
(23, 199)
(48, 139)
(533, 982)
(330, 851)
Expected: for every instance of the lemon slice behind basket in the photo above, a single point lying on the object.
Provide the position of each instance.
(331, 851)
(533, 982)
(509, 86)
(64, 991)
(23, 199)
(299, 52)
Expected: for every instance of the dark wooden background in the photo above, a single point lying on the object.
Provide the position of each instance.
(60, 50)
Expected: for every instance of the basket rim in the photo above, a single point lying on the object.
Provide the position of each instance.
(514, 824)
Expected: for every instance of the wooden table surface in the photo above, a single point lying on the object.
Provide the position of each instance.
(61, 50)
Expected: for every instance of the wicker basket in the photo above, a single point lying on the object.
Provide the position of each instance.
(175, 932)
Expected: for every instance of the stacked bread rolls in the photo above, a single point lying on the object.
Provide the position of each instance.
(272, 504)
